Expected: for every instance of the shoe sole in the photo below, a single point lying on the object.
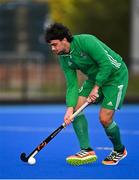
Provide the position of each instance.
(78, 162)
(116, 162)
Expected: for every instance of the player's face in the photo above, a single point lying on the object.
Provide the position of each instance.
(59, 46)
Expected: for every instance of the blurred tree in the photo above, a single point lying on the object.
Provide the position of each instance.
(109, 20)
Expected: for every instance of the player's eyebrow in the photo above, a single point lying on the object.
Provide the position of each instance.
(53, 44)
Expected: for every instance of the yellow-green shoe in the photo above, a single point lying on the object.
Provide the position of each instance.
(82, 157)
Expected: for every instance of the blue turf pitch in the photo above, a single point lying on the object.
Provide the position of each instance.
(22, 128)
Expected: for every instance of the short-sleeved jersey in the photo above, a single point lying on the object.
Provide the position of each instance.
(93, 58)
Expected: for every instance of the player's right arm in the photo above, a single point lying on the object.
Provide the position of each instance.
(71, 88)
(68, 114)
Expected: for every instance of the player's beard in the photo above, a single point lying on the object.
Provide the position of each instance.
(61, 53)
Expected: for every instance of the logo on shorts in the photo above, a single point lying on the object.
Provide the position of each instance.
(110, 103)
(69, 63)
(80, 90)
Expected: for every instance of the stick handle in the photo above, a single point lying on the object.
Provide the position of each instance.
(77, 112)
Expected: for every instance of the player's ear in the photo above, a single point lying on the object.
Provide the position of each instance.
(65, 39)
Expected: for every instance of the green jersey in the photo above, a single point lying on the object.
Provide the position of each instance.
(93, 58)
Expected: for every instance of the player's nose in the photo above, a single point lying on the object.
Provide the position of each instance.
(53, 48)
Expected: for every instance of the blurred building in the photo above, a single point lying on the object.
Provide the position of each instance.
(21, 27)
(135, 36)
(25, 72)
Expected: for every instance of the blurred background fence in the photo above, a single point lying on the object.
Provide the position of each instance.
(28, 70)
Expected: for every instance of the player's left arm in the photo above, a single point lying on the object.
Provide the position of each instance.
(93, 94)
(99, 55)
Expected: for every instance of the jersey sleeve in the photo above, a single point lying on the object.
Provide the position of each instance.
(99, 55)
(71, 83)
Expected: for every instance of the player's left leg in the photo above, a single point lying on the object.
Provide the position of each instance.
(113, 133)
(114, 96)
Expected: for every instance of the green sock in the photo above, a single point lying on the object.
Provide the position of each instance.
(80, 126)
(113, 133)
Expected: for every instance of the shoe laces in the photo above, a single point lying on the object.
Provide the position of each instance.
(113, 155)
(82, 153)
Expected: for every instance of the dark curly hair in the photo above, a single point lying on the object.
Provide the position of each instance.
(57, 31)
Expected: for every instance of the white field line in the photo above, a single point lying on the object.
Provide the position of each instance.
(26, 129)
(59, 109)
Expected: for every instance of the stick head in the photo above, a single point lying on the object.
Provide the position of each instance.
(23, 157)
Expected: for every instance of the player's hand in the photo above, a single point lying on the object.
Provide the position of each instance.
(68, 114)
(93, 95)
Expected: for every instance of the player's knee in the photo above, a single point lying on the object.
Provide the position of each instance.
(104, 120)
(105, 117)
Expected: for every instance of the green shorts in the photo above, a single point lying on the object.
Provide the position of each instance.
(110, 96)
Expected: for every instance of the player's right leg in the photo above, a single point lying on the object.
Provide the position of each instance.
(86, 154)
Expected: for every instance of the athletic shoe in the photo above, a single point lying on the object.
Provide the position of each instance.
(82, 157)
(114, 157)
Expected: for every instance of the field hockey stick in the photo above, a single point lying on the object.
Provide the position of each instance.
(30, 158)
